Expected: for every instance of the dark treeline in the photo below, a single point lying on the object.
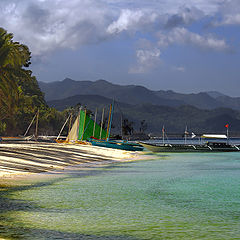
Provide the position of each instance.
(20, 95)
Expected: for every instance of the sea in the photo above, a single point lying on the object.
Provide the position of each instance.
(166, 196)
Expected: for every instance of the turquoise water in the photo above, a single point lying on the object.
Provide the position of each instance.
(177, 196)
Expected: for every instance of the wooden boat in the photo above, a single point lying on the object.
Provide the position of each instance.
(208, 147)
(123, 145)
(82, 129)
(16, 139)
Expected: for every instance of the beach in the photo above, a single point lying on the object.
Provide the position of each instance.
(20, 159)
(65, 191)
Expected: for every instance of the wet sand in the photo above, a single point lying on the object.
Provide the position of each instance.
(18, 159)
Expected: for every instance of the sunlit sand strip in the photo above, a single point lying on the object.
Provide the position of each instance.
(27, 162)
(37, 157)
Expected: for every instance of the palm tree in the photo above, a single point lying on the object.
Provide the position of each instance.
(13, 57)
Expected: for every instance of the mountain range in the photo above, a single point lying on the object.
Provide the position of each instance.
(204, 111)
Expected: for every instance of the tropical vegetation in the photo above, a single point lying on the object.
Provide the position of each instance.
(20, 95)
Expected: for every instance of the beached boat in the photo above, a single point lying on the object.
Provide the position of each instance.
(123, 145)
(82, 129)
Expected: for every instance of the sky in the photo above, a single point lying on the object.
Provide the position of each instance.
(187, 46)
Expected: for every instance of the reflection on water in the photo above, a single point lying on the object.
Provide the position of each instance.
(178, 196)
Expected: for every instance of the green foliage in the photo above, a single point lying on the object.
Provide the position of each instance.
(2, 127)
(20, 95)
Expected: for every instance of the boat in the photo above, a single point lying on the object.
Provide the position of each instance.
(123, 145)
(24, 137)
(207, 147)
(82, 129)
(218, 145)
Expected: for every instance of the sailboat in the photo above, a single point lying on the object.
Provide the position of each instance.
(106, 142)
(25, 137)
(82, 129)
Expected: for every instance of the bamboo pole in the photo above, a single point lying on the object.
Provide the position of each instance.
(95, 119)
(101, 124)
(30, 125)
(109, 120)
(36, 130)
(63, 127)
(84, 123)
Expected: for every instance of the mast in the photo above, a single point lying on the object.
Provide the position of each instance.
(36, 130)
(63, 127)
(95, 119)
(30, 125)
(185, 135)
(163, 135)
(70, 122)
(109, 121)
(227, 126)
(102, 123)
(122, 126)
(84, 123)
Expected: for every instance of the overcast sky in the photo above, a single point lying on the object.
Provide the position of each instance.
(181, 45)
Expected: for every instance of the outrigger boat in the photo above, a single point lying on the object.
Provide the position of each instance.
(209, 146)
(123, 145)
(85, 130)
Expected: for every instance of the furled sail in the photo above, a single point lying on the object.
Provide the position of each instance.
(73, 134)
(86, 127)
(83, 128)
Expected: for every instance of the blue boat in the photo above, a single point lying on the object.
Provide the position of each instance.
(123, 145)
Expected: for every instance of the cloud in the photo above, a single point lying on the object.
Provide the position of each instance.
(147, 60)
(231, 20)
(184, 16)
(131, 21)
(183, 36)
(229, 13)
(48, 25)
(179, 69)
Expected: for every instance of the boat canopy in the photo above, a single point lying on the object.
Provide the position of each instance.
(220, 136)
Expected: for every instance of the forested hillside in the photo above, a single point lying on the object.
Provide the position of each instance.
(20, 95)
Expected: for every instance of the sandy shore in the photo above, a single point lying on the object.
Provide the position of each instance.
(31, 157)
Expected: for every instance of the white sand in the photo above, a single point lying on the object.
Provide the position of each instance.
(32, 157)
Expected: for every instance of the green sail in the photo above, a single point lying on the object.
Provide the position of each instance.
(86, 128)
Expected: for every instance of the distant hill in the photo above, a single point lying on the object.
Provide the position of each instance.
(133, 94)
(173, 118)
(201, 100)
(128, 94)
(90, 101)
(205, 112)
(215, 94)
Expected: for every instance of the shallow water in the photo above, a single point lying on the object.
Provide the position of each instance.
(177, 196)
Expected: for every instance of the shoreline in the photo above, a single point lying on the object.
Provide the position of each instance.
(28, 158)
